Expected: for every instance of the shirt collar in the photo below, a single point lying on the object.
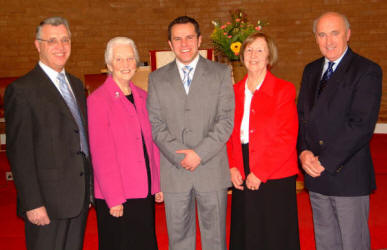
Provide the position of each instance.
(51, 73)
(193, 63)
(337, 61)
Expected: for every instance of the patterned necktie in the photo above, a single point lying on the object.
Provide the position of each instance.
(187, 79)
(73, 106)
(324, 80)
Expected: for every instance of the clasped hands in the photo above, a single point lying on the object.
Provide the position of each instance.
(311, 164)
(191, 159)
(252, 181)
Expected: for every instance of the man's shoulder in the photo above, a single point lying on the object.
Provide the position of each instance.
(163, 70)
(317, 63)
(363, 61)
(27, 80)
(211, 65)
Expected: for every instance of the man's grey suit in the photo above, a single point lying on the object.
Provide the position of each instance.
(201, 121)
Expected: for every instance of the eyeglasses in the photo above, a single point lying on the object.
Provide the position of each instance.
(54, 41)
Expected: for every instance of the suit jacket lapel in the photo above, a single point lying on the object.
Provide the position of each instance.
(175, 80)
(53, 94)
(200, 78)
(316, 78)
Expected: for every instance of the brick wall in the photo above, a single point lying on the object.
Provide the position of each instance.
(94, 22)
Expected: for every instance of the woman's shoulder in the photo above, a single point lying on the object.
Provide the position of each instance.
(98, 94)
(283, 84)
(139, 91)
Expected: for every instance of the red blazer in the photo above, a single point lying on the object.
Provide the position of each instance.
(273, 130)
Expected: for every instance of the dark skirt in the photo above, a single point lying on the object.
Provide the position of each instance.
(134, 230)
(266, 218)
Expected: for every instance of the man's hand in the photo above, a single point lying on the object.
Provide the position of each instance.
(191, 160)
(159, 197)
(236, 178)
(117, 211)
(253, 182)
(38, 216)
(311, 164)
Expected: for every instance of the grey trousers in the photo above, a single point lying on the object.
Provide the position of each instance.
(181, 219)
(340, 223)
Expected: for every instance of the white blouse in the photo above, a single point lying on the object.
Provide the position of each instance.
(246, 113)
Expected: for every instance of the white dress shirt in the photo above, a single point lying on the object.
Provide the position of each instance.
(337, 61)
(180, 66)
(53, 74)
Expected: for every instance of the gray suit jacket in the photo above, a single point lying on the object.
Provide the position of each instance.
(202, 120)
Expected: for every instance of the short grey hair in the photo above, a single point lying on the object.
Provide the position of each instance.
(347, 24)
(122, 41)
(54, 21)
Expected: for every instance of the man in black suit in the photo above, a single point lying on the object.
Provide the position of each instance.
(47, 144)
(338, 107)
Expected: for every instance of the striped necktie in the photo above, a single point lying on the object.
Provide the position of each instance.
(73, 106)
(324, 80)
(187, 79)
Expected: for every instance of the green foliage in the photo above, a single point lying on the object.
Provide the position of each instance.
(227, 38)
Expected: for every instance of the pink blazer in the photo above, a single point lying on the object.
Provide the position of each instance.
(116, 148)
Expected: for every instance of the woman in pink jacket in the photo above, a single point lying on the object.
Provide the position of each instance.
(124, 157)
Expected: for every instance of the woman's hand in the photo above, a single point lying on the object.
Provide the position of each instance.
(236, 178)
(253, 182)
(117, 211)
(159, 197)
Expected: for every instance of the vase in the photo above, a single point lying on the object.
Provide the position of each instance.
(238, 70)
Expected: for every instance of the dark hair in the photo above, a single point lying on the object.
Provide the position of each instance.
(183, 20)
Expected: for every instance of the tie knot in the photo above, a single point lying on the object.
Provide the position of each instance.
(187, 69)
(61, 77)
(330, 65)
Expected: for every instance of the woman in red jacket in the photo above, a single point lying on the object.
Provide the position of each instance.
(262, 154)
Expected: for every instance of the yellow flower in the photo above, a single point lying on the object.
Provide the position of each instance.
(236, 47)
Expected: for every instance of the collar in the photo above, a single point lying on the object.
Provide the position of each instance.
(193, 63)
(115, 90)
(51, 73)
(337, 61)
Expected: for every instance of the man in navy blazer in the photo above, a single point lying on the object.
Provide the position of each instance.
(47, 144)
(338, 107)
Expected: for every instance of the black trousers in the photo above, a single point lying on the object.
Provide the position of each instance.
(266, 218)
(60, 234)
(134, 230)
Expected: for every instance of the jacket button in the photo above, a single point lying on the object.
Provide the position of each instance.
(251, 131)
(321, 142)
(81, 174)
(76, 131)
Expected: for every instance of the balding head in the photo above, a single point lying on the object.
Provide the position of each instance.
(332, 34)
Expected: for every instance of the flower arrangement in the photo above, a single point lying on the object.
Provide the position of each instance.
(228, 38)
